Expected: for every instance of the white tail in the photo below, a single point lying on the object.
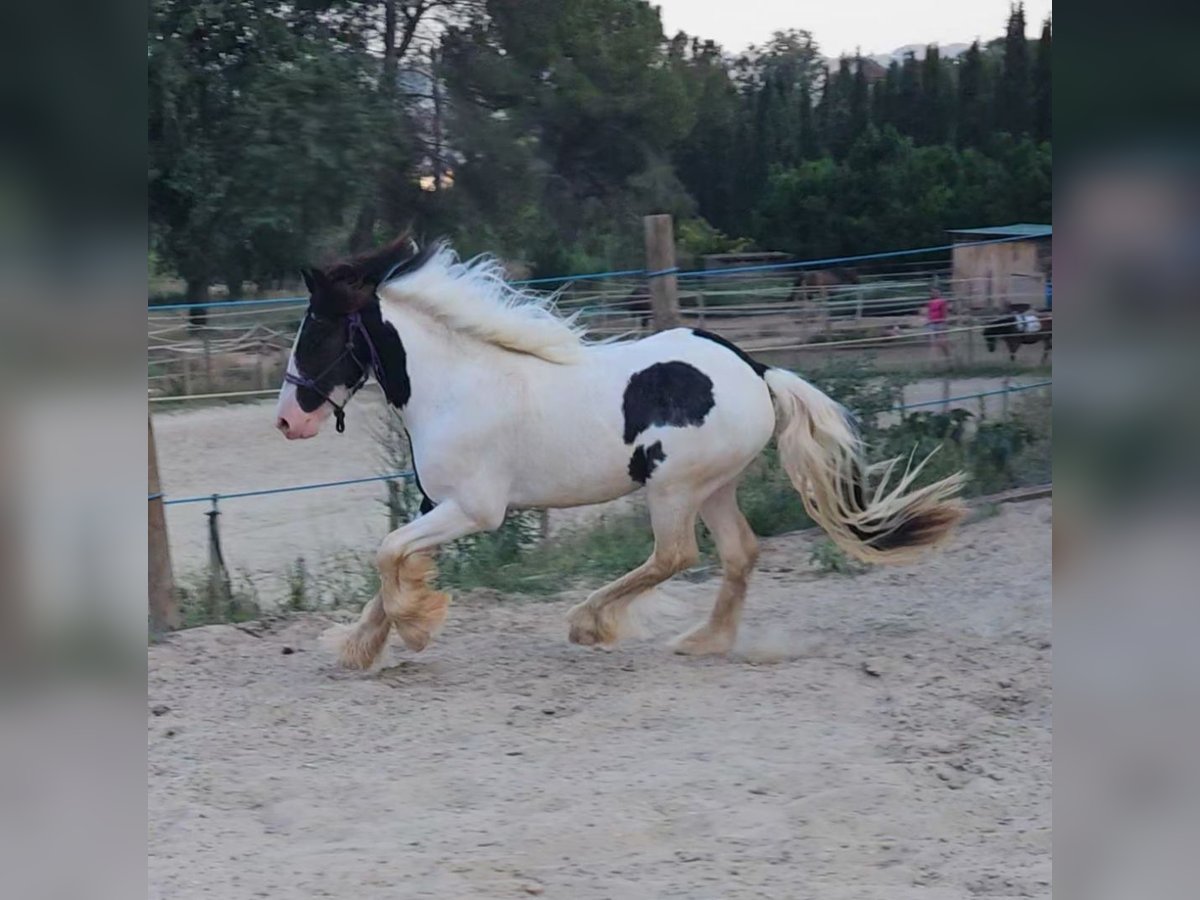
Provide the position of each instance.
(823, 456)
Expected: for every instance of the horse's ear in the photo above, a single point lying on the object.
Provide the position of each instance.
(388, 260)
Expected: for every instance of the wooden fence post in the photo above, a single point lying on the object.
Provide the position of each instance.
(208, 367)
(164, 604)
(968, 317)
(659, 233)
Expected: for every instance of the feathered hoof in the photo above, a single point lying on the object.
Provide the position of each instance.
(704, 640)
(589, 628)
(421, 619)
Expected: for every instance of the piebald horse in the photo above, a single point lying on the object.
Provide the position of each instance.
(1014, 331)
(508, 406)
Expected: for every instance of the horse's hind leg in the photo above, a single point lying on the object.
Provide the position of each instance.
(738, 549)
(600, 619)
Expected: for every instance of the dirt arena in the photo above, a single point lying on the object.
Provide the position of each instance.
(885, 735)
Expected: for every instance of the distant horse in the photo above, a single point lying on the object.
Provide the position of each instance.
(507, 406)
(819, 281)
(1016, 329)
(637, 305)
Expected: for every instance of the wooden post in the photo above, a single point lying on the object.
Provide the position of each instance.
(968, 320)
(660, 257)
(164, 604)
(187, 374)
(1004, 398)
(208, 372)
(946, 393)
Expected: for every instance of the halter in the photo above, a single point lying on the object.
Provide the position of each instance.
(376, 368)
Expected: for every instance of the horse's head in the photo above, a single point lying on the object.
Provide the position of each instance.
(333, 354)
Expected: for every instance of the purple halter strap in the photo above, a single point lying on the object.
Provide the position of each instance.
(376, 368)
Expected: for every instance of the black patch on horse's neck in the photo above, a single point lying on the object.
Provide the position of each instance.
(392, 358)
(1001, 325)
(644, 461)
(759, 369)
(668, 393)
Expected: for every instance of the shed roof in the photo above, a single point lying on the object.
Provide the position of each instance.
(1022, 229)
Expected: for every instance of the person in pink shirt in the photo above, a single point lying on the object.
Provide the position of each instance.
(937, 315)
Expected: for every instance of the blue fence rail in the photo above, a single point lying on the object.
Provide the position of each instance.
(407, 475)
(638, 273)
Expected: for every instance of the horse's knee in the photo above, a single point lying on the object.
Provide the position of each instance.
(672, 560)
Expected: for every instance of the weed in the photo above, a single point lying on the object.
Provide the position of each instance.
(829, 559)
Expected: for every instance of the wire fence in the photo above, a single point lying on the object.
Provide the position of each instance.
(407, 475)
(243, 354)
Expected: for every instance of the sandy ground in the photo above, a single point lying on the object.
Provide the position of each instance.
(233, 448)
(884, 736)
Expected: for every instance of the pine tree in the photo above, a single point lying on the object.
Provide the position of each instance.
(809, 139)
(1015, 92)
(908, 97)
(935, 123)
(1042, 73)
(859, 101)
(972, 110)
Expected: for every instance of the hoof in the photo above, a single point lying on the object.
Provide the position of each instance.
(704, 641)
(587, 628)
(422, 617)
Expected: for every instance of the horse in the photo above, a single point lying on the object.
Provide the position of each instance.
(508, 405)
(1011, 329)
(820, 280)
(638, 306)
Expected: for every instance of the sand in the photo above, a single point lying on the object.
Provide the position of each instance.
(885, 735)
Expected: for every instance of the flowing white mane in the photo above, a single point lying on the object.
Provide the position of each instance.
(474, 298)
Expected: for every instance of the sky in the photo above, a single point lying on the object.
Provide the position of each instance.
(842, 26)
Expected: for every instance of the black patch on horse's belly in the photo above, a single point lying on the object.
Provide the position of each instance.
(644, 461)
(668, 393)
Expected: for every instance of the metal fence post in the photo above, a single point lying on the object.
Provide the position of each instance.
(219, 594)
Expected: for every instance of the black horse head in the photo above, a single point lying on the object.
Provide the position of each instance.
(334, 351)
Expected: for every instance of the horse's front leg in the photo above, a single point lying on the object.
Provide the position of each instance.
(406, 601)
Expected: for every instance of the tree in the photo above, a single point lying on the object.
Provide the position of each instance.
(908, 96)
(257, 130)
(972, 115)
(566, 110)
(935, 98)
(1042, 72)
(1014, 111)
(860, 102)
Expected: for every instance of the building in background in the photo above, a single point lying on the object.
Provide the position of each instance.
(1010, 274)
